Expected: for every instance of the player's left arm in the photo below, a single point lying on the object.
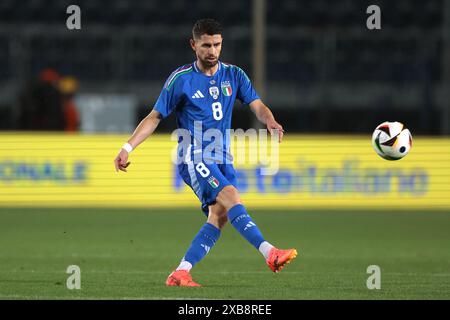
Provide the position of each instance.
(265, 116)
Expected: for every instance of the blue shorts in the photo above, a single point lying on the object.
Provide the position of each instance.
(207, 180)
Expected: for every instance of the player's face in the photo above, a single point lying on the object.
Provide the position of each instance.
(207, 48)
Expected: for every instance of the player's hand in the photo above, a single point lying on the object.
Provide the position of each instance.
(272, 126)
(120, 161)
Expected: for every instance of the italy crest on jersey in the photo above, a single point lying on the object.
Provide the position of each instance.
(226, 88)
(213, 182)
(214, 92)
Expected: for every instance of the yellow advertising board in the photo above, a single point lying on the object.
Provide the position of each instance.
(63, 170)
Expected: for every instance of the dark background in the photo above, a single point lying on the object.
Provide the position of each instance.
(325, 71)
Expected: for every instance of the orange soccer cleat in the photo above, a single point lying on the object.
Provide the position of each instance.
(181, 278)
(279, 258)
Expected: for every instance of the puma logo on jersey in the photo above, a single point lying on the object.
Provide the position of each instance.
(197, 95)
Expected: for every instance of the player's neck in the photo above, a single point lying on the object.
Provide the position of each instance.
(207, 71)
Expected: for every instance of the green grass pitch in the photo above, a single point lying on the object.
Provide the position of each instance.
(127, 254)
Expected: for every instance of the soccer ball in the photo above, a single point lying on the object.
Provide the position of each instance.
(391, 140)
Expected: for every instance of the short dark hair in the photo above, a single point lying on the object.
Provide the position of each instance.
(206, 26)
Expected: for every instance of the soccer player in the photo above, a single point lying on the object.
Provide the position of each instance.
(192, 91)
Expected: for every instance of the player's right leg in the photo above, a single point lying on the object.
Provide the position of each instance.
(200, 246)
(206, 188)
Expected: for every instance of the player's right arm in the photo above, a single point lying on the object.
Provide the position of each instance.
(147, 126)
(167, 101)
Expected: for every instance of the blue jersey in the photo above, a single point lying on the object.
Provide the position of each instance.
(206, 101)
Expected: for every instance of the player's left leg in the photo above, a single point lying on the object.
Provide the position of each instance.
(276, 259)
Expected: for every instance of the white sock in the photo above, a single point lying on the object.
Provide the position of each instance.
(184, 265)
(264, 248)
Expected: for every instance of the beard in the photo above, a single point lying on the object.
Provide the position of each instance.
(209, 63)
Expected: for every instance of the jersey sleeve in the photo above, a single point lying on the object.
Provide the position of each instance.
(169, 97)
(246, 93)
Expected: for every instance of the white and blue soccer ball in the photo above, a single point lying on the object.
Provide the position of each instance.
(391, 140)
